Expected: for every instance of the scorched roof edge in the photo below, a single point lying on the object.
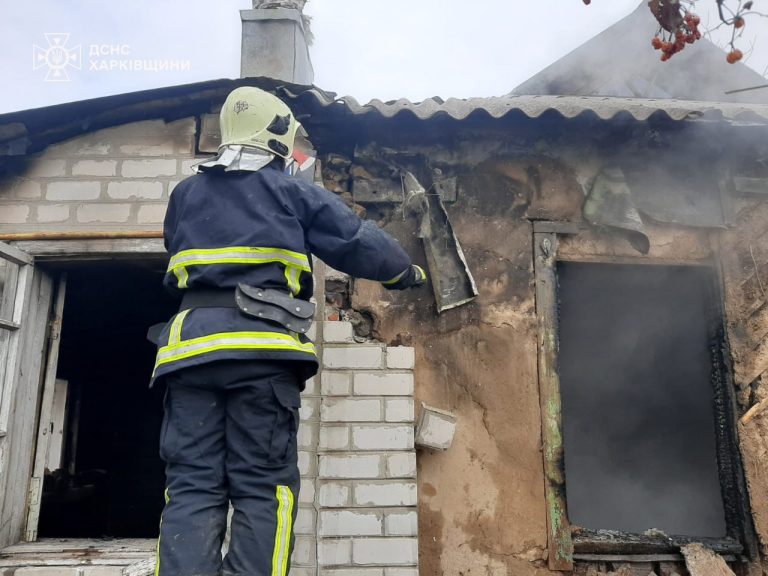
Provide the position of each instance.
(31, 130)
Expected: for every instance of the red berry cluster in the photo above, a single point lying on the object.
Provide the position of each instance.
(734, 56)
(687, 33)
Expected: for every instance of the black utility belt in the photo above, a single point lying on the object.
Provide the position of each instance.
(273, 305)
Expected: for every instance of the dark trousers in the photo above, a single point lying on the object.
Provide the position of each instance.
(229, 435)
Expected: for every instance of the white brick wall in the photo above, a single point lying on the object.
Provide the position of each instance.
(398, 410)
(350, 523)
(384, 384)
(53, 213)
(401, 358)
(113, 179)
(42, 167)
(352, 572)
(151, 213)
(366, 497)
(351, 465)
(14, 214)
(24, 189)
(338, 332)
(401, 524)
(94, 168)
(401, 572)
(401, 465)
(336, 383)
(135, 189)
(334, 552)
(382, 437)
(148, 168)
(87, 213)
(334, 495)
(385, 551)
(337, 357)
(73, 190)
(386, 493)
(351, 410)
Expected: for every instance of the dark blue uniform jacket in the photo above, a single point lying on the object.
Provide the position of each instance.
(260, 228)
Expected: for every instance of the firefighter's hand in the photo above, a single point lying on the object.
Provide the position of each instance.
(413, 278)
(420, 277)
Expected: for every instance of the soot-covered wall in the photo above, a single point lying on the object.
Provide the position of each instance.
(482, 502)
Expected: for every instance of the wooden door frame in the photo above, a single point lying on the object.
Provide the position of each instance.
(37, 312)
(21, 385)
(42, 445)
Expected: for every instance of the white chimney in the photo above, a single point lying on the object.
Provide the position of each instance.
(276, 42)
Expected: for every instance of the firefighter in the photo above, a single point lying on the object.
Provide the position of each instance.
(240, 234)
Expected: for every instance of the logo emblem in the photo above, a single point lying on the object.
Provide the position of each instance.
(241, 106)
(57, 57)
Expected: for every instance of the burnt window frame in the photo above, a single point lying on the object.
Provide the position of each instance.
(566, 544)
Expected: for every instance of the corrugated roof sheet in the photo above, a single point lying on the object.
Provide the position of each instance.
(603, 107)
(29, 131)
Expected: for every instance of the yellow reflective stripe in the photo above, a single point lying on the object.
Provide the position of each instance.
(292, 276)
(157, 552)
(283, 531)
(178, 321)
(181, 277)
(231, 341)
(396, 278)
(238, 254)
(294, 262)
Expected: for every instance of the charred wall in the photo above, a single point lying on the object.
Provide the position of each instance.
(481, 503)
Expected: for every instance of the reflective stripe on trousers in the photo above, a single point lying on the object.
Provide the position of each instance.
(283, 531)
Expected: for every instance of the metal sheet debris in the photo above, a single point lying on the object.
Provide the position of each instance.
(610, 204)
(452, 281)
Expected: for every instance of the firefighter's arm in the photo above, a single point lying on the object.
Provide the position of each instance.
(357, 247)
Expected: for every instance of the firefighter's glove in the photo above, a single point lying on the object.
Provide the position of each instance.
(411, 278)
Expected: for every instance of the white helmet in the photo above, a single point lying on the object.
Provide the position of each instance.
(252, 117)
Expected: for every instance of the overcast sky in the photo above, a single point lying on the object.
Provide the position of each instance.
(368, 49)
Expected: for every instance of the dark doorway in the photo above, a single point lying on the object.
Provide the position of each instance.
(111, 480)
(638, 401)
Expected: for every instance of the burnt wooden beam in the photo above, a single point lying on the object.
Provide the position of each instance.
(558, 529)
(587, 541)
(558, 227)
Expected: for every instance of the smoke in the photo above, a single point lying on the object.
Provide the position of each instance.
(638, 405)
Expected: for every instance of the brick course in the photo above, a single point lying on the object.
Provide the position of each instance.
(367, 461)
(353, 357)
(385, 551)
(94, 168)
(135, 189)
(73, 190)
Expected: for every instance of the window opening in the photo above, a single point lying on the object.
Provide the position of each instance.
(109, 480)
(638, 402)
